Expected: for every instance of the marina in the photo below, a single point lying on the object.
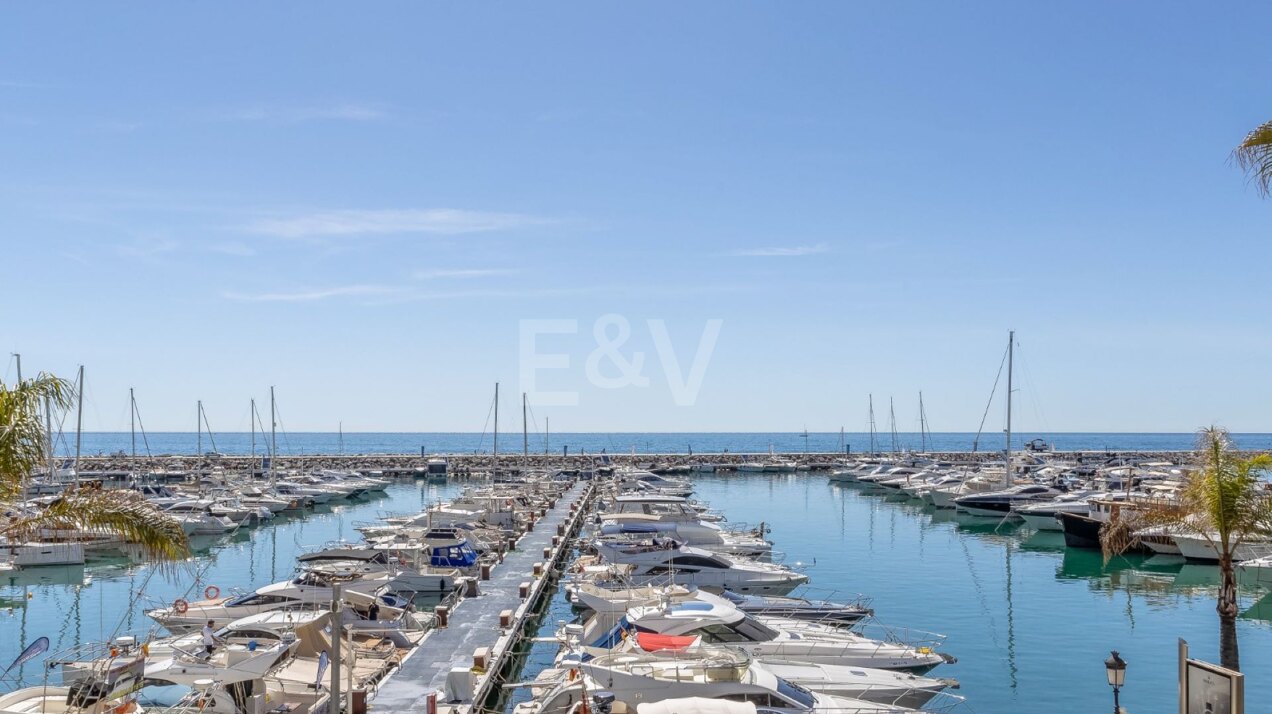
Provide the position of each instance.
(984, 603)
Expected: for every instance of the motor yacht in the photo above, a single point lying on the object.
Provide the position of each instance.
(998, 504)
(718, 621)
(665, 561)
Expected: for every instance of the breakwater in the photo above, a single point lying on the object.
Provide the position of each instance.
(485, 463)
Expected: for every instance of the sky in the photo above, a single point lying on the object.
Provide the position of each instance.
(371, 208)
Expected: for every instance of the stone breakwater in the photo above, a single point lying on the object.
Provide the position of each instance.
(470, 463)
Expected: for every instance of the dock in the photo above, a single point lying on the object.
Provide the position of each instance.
(461, 663)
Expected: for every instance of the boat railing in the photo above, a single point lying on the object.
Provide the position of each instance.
(892, 634)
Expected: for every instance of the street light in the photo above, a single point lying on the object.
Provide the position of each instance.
(1115, 668)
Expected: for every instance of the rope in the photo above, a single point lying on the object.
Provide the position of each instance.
(981, 428)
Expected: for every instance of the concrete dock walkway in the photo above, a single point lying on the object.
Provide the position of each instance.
(474, 623)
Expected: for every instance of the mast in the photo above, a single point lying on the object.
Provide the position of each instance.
(251, 420)
(25, 475)
(132, 420)
(1011, 343)
(872, 426)
(892, 424)
(198, 423)
(494, 463)
(79, 419)
(922, 425)
(48, 436)
(273, 435)
(525, 430)
(546, 431)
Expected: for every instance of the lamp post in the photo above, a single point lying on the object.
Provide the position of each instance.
(1115, 668)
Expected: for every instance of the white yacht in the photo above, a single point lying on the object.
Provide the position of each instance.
(404, 574)
(1203, 547)
(717, 621)
(666, 562)
(718, 674)
(307, 592)
(196, 518)
(1000, 504)
(1042, 515)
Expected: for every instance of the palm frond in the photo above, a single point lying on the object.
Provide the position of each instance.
(122, 513)
(22, 436)
(1254, 156)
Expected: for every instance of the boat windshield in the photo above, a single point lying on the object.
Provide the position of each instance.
(796, 693)
(755, 630)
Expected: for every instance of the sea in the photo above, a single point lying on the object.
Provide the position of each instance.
(1029, 620)
(187, 443)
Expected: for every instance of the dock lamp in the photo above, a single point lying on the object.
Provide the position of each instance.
(1115, 668)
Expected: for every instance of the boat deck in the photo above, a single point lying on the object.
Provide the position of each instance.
(474, 623)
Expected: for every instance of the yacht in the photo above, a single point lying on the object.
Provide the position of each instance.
(728, 675)
(663, 562)
(1204, 547)
(999, 504)
(306, 592)
(616, 600)
(717, 621)
(1042, 516)
(196, 518)
(346, 561)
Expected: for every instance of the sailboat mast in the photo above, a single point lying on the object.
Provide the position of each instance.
(79, 419)
(872, 426)
(273, 436)
(494, 463)
(48, 435)
(922, 425)
(132, 420)
(525, 430)
(251, 420)
(198, 423)
(1011, 345)
(892, 424)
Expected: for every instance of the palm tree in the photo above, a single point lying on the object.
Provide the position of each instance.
(1223, 502)
(1254, 156)
(22, 448)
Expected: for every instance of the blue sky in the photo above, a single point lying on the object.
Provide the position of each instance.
(362, 205)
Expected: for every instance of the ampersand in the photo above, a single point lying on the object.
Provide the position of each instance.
(608, 347)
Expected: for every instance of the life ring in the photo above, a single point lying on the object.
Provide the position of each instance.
(211, 592)
(180, 606)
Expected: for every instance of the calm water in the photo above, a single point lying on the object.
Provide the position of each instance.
(1030, 621)
(648, 443)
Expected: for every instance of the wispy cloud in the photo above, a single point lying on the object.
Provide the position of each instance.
(783, 252)
(442, 221)
(460, 273)
(295, 115)
(318, 294)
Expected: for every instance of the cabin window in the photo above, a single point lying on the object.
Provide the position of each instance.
(755, 630)
(716, 634)
(696, 561)
(759, 699)
(796, 693)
